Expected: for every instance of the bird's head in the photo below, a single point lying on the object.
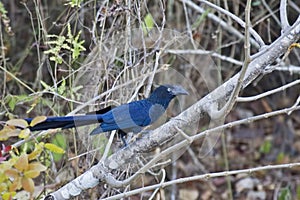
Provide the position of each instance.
(165, 93)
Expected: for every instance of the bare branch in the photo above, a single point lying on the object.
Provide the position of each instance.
(237, 19)
(232, 100)
(258, 42)
(271, 12)
(201, 177)
(283, 16)
(204, 52)
(254, 98)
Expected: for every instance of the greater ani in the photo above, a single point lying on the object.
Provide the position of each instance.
(129, 117)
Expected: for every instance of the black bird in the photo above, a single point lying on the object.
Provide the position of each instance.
(129, 117)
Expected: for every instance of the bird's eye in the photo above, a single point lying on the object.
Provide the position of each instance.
(169, 89)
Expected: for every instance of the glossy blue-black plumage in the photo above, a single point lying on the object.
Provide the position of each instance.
(130, 117)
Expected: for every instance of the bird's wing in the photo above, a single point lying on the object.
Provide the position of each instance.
(101, 111)
(126, 116)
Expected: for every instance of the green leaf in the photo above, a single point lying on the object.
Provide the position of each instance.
(266, 147)
(54, 148)
(3, 11)
(12, 103)
(45, 85)
(75, 89)
(13, 100)
(69, 43)
(285, 194)
(74, 3)
(298, 191)
(60, 141)
(62, 88)
(200, 19)
(66, 46)
(51, 36)
(148, 23)
(280, 157)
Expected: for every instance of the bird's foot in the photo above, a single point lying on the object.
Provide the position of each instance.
(125, 144)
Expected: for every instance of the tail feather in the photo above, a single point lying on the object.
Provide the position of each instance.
(65, 122)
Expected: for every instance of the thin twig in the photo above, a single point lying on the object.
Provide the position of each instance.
(204, 52)
(258, 43)
(283, 16)
(259, 96)
(163, 179)
(17, 79)
(232, 100)
(237, 19)
(295, 105)
(183, 134)
(108, 145)
(202, 177)
(189, 29)
(272, 13)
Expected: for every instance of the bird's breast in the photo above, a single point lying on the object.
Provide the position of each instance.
(156, 111)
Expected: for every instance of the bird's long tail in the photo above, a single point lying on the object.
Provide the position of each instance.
(70, 121)
(66, 122)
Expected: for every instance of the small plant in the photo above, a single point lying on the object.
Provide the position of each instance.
(5, 20)
(17, 170)
(60, 43)
(74, 3)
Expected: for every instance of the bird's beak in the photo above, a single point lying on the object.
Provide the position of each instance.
(178, 90)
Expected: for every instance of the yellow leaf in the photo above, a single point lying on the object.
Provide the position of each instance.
(12, 173)
(54, 148)
(8, 164)
(22, 163)
(3, 187)
(4, 133)
(28, 184)
(31, 174)
(24, 133)
(37, 151)
(37, 120)
(17, 123)
(8, 195)
(36, 166)
(15, 185)
(14, 132)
